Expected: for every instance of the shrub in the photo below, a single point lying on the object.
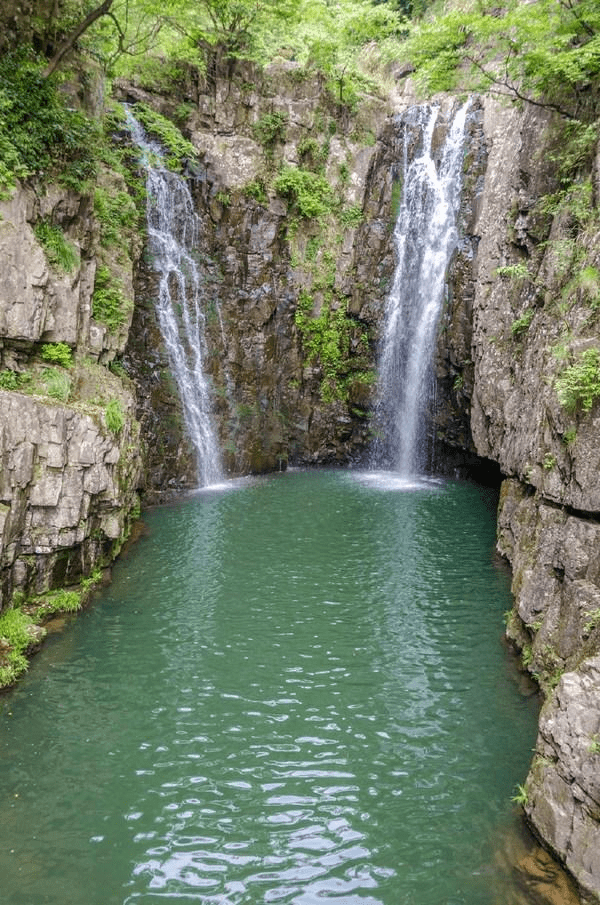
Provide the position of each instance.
(13, 380)
(579, 385)
(312, 154)
(352, 216)
(270, 129)
(115, 416)
(521, 324)
(518, 271)
(257, 190)
(57, 353)
(40, 133)
(167, 133)
(58, 384)
(60, 601)
(117, 215)
(309, 193)
(109, 305)
(60, 253)
(326, 338)
(14, 631)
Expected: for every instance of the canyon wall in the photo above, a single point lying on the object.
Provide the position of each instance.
(530, 386)
(293, 305)
(293, 302)
(70, 472)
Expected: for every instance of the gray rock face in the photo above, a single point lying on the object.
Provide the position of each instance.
(294, 303)
(564, 785)
(68, 482)
(524, 336)
(66, 489)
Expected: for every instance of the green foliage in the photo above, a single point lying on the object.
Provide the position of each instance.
(326, 339)
(574, 199)
(396, 201)
(593, 619)
(257, 190)
(237, 26)
(115, 416)
(179, 148)
(584, 283)
(549, 462)
(40, 133)
(57, 353)
(117, 215)
(521, 324)
(59, 601)
(223, 198)
(576, 148)
(61, 255)
(270, 129)
(109, 305)
(118, 369)
(579, 385)
(313, 154)
(352, 216)
(518, 271)
(57, 383)
(544, 52)
(14, 633)
(309, 194)
(521, 795)
(594, 744)
(14, 380)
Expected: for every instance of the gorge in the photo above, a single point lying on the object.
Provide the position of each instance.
(294, 278)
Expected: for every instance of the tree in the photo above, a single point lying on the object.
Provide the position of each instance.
(234, 26)
(67, 44)
(134, 28)
(545, 53)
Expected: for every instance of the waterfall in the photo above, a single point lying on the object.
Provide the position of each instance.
(425, 236)
(172, 226)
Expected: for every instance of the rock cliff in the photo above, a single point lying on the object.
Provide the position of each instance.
(293, 305)
(69, 439)
(533, 409)
(293, 300)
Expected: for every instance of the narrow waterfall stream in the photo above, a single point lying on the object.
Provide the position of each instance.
(425, 237)
(172, 237)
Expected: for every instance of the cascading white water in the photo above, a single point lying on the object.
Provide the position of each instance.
(425, 237)
(172, 237)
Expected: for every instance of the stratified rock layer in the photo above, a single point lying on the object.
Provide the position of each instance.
(69, 478)
(528, 326)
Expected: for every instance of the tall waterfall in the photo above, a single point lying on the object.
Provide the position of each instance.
(172, 238)
(425, 237)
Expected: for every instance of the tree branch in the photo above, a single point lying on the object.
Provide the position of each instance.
(67, 44)
(511, 90)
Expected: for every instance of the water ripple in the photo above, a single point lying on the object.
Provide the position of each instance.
(292, 693)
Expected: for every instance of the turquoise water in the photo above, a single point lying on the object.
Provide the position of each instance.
(294, 691)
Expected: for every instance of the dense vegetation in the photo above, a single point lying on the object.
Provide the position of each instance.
(546, 52)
